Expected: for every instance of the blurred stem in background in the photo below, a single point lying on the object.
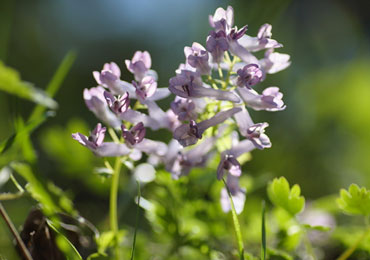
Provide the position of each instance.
(353, 248)
(113, 204)
(236, 223)
(6, 18)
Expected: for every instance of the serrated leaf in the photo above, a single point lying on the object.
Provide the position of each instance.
(282, 196)
(355, 201)
(11, 83)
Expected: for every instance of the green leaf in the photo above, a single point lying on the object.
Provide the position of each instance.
(275, 254)
(11, 83)
(56, 81)
(355, 201)
(318, 228)
(108, 239)
(36, 189)
(282, 196)
(65, 245)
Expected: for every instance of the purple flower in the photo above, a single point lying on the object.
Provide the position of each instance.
(157, 114)
(180, 163)
(236, 34)
(173, 119)
(238, 50)
(197, 57)
(95, 143)
(237, 195)
(109, 73)
(189, 134)
(146, 88)
(256, 134)
(136, 117)
(183, 108)
(217, 45)
(135, 135)
(95, 101)
(270, 100)
(229, 164)
(222, 20)
(274, 61)
(249, 75)
(140, 64)
(188, 84)
(151, 147)
(118, 104)
(262, 41)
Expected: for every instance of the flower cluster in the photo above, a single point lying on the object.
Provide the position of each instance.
(110, 102)
(213, 90)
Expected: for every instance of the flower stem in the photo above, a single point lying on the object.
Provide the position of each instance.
(137, 219)
(352, 249)
(236, 224)
(308, 245)
(113, 204)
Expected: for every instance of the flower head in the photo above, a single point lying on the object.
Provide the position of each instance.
(139, 64)
(249, 75)
(256, 134)
(217, 45)
(222, 19)
(95, 143)
(183, 108)
(118, 104)
(146, 88)
(270, 100)
(135, 135)
(197, 57)
(229, 164)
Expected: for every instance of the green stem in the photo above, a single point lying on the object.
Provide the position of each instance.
(220, 72)
(236, 223)
(352, 249)
(307, 244)
(137, 219)
(113, 203)
(113, 135)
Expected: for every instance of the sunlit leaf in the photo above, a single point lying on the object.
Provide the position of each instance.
(283, 196)
(56, 81)
(11, 83)
(355, 201)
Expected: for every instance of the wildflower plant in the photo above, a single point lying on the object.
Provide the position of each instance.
(212, 135)
(214, 89)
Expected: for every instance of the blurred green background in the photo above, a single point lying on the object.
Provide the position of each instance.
(321, 141)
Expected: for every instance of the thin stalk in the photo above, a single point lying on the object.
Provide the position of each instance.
(236, 223)
(137, 219)
(14, 231)
(220, 73)
(263, 231)
(308, 245)
(113, 203)
(352, 249)
(113, 135)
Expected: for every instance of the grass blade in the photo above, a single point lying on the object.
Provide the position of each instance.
(263, 249)
(56, 81)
